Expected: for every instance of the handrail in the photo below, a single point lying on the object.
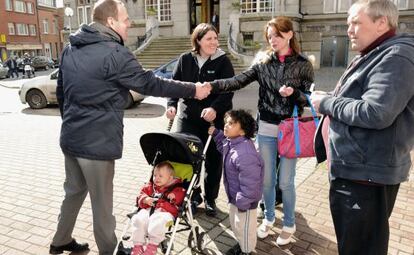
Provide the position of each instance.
(143, 39)
(237, 47)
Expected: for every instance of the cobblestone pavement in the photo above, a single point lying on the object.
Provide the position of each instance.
(31, 188)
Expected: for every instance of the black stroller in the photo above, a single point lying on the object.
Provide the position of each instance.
(185, 153)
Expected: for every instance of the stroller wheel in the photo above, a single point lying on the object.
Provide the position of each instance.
(191, 239)
(164, 245)
(201, 242)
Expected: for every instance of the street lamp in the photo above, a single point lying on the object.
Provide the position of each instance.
(69, 13)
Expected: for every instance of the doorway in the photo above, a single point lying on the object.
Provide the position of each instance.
(202, 11)
(334, 51)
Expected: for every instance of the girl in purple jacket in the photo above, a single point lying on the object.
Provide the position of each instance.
(242, 176)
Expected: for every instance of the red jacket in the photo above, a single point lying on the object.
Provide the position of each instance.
(163, 203)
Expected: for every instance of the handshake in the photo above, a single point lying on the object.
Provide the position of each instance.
(202, 90)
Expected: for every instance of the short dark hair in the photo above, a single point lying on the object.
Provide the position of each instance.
(245, 119)
(199, 32)
(103, 9)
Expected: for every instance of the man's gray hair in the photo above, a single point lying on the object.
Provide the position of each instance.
(376, 9)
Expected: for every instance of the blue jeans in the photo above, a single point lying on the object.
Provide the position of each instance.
(287, 168)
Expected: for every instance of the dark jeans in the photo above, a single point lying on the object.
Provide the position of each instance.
(360, 214)
(13, 71)
(213, 161)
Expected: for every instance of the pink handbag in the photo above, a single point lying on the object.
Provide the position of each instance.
(295, 137)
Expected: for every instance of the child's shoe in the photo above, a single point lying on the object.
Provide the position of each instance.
(151, 249)
(286, 236)
(264, 228)
(138, 249)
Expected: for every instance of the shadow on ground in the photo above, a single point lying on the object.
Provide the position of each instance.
(143, 110)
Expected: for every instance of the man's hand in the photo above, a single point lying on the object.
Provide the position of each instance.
(171, 112)
(202, 91)
(316, 98)
(211, 130)
(208, 114)
(285, 91)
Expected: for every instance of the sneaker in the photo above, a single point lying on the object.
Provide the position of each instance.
(73, 246)
(286, 236)
(235, 250)
(151, 249)
(138, 249)
(264, 228)
(211, 209)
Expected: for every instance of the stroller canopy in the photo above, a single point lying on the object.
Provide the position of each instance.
(178, 147)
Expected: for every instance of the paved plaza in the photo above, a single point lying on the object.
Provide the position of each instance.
(31, 190)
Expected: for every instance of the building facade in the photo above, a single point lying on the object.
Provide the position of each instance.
(320, 24)
(49, 28)
(22, 33)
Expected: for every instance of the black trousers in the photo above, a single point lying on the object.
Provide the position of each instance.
(360, 214)
(213, 161)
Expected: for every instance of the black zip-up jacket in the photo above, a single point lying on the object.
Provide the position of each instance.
(95, 76)
(271, 74)
(216, 67)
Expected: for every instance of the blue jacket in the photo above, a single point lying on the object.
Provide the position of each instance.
(243, 170)
(372, 116)
(95, 76)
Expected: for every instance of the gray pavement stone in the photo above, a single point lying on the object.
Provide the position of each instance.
(31, 188)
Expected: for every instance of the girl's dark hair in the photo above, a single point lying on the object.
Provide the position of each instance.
(245, 119)
(283, 24)
(199, 32)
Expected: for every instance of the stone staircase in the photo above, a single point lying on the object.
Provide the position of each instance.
(164, 49)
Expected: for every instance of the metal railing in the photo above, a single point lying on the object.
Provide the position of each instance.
(237, 47)
(142, 39)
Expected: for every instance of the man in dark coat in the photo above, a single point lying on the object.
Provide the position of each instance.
(95, 76)
(12, 65)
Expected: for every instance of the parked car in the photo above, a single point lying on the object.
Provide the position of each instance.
(166, 70)
(4, 71)
(41, 91)
(42, 62)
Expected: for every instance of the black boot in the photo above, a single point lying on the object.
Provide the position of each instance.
(235, 250)
(211, 209)
(73, 246)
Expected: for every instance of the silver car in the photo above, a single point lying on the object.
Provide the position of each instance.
(4, 71)
(41, 91)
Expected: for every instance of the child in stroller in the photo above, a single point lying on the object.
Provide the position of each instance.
(159, 201)
(185, 153)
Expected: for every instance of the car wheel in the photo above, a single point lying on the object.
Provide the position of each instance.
(130, 101)
(46, 67)
(36, 99)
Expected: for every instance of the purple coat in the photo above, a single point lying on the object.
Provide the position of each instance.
(243, 170)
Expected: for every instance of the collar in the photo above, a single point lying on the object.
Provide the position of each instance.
(236, 140)
(107, 31)
(387, 35)
(283, 57)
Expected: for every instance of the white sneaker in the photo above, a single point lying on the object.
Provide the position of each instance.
(264, 228)
(286, 236)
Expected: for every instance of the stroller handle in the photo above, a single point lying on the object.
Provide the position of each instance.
(203, 167)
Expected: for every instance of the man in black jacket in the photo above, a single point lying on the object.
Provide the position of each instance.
(95, 76)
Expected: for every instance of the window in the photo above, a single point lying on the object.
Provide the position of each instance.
(11, 28)
(29, 7)
(51, 3)
(22, 29)
(84, 15)
(336, 6)
(32, 30)
(401, 4)
(160, 8)
(19, 6)
(45, 26)
(9, 5)
(251, 6)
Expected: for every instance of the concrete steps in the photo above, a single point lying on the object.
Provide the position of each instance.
(164, 49)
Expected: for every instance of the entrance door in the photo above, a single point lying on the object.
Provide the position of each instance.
(334, 51)
(202, 11)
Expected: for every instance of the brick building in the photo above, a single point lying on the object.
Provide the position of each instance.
(22, 34)
(49, 28)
